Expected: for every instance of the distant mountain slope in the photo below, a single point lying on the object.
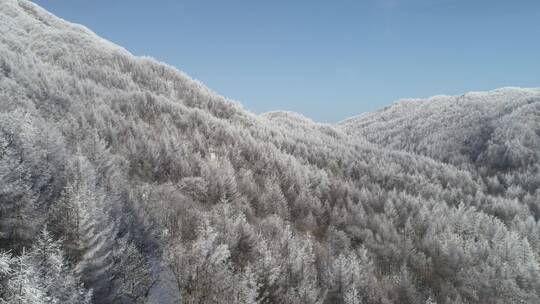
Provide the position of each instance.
(460, 129)
(148, 187)
(496, 133)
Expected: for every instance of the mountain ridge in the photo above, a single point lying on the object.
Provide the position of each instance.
(484, 109)
(501, 89)
(182, 195)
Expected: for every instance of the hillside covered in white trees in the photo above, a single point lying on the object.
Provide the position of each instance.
(122, 180)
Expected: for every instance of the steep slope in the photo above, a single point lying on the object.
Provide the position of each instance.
(496, 134)
(471, 128)
(161, 190)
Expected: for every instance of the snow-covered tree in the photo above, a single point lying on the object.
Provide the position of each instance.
(80, 219)
(54, 274)
(21, 281)
(131, 273)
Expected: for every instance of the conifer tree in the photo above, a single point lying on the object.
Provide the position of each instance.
(55, 275)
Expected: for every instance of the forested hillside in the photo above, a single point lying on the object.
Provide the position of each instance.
(122, 180)
(495, 134)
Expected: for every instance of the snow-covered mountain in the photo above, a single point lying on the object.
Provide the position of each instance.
(495, 133)
(476, 127)
(122, 180)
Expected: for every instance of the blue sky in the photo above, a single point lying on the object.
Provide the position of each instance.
(327, 59)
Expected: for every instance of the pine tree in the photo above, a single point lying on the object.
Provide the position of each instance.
(79, 218)
(21, 284)
(54, 275)
(203, 273)
(131, 273)
(17, 199)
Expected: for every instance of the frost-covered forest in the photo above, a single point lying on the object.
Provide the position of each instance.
(122, 180)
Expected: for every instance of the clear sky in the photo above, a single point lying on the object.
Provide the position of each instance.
(327, 59)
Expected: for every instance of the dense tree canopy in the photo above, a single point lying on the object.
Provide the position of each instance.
(124, 181)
